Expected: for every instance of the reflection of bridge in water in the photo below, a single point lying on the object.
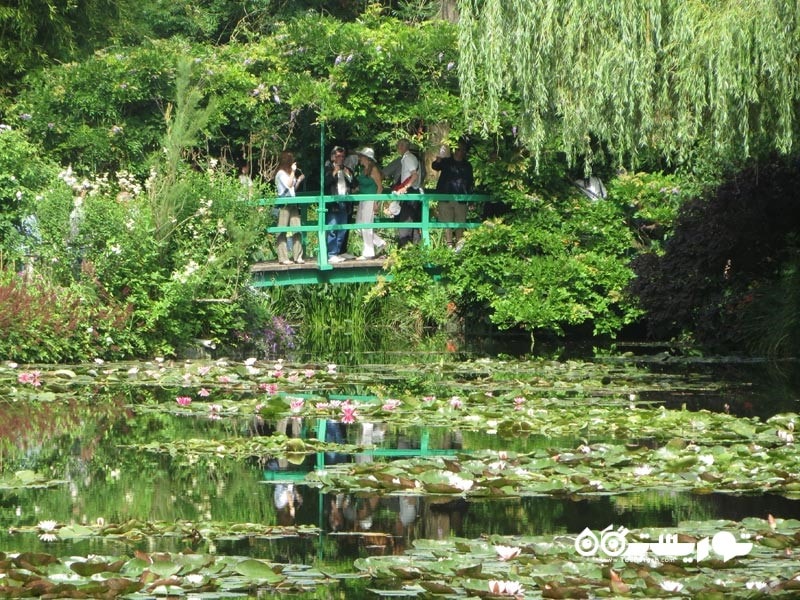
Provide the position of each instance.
(319, 270)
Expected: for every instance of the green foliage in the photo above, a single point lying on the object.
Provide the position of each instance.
(23, 174)
(103, 113)
(370, 80)
(635, 75)
(426, 301)
(651, 202)
(176, 250)
(41, 32)
(548, 264)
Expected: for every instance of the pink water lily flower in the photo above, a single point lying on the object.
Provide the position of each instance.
(456, 402)
(296, 405)
(270, 388)
(349, 414)
(519, 401)
(183, 400)
(309, 373)
(391, 404)
(32, 377)
(203, 392)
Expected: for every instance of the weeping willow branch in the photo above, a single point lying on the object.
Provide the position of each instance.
(635, 74)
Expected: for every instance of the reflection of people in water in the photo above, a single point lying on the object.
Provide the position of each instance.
(287, 499)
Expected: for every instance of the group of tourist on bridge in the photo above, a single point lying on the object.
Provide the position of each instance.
(355, 191)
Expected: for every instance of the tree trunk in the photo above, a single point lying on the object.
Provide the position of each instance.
(449, 11)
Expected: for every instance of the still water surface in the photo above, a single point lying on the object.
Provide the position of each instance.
(98, 445)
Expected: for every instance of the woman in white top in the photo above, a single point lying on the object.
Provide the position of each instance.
(286, 182)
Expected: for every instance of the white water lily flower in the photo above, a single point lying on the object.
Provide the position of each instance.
(671, 586)
(48, 525)
(756, 585)
(507, 552)
(706, 459)
(643, 470)
(505, 588)
(194, 578)
(48, 537)
(459, 482)
(250, 361)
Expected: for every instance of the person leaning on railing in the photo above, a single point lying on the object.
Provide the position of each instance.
(410, 183)
(455, 178)
(370, 181)
(337, 181)
(286, 182)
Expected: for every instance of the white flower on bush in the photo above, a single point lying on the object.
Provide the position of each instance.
(115, 249)
(190, 269)
(67, 177)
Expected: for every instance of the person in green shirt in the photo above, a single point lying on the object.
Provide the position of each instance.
(370, 181)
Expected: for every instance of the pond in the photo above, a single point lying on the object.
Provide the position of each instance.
(629, 475)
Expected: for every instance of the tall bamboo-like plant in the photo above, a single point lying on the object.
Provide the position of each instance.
(636, 74)
(185, 120)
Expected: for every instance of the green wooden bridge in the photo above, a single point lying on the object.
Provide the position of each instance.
(318, 269)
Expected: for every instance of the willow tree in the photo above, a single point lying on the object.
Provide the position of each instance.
(662, 75)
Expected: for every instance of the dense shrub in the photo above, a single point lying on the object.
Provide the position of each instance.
(44, 322)
(723, 250)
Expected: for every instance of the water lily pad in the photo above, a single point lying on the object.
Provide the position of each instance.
(258, 570)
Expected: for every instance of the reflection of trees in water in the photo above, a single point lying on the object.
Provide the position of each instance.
(29, 430)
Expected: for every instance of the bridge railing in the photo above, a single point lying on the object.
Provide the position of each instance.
(426, 224)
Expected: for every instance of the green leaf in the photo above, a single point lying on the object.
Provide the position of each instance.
(258, 570)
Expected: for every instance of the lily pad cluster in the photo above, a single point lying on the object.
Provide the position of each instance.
(147, 575)
(587, 470)
(135, 530)
(551, 567)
